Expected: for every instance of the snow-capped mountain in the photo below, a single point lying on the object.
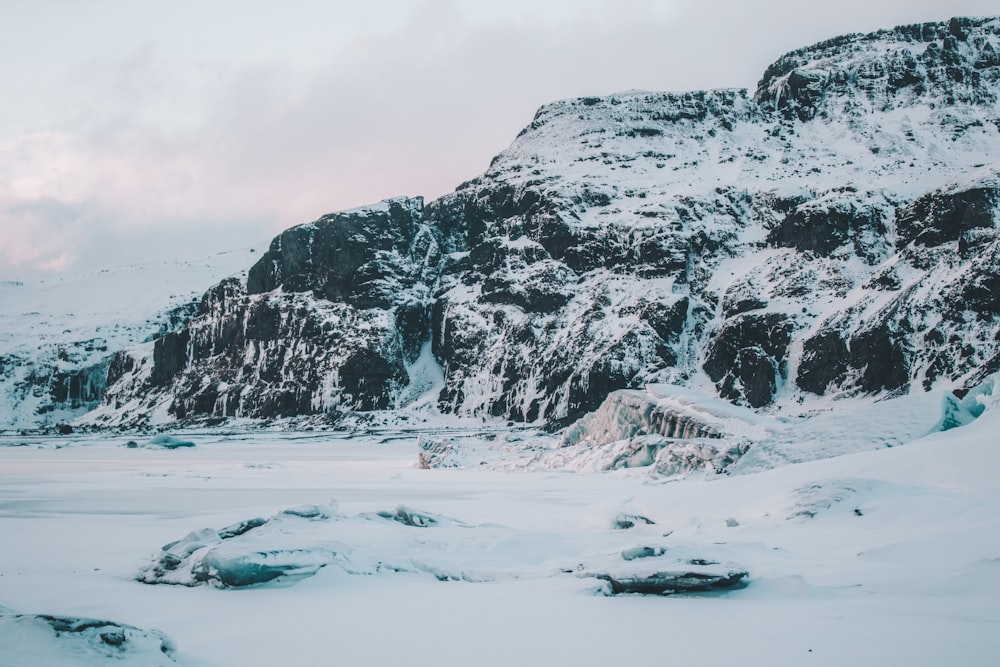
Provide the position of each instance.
(831, 235)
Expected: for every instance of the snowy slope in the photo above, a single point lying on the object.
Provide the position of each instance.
(58, 335)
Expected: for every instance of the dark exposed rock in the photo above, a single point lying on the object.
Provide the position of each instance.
(325, 322)
(673, 582)
(409, 517)
(337, 256)
(82, 387)
(629, 521)
(732, 307)
(881, 358)
(824, 226)
(947, 217)
(122, 363)
(824, 362)
(982, 291)
(169, 357)
(746, 358)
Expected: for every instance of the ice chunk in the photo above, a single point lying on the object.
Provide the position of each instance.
(984, 396)
(668, 456)
(226, 567)
(679, 457)
(168, 442)
(408, 517)
(175, 553)
(242, 554)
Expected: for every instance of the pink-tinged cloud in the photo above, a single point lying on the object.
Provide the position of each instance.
(154, 150)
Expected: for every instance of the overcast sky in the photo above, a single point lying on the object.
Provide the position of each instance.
(133, 130)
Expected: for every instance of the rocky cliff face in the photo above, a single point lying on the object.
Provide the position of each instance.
(326, 321)
(834, 234)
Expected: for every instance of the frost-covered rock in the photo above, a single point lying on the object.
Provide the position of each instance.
(673, 429)
(657, 570)
(670, 411)
(682, 577)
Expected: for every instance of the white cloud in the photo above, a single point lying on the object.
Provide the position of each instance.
(138, 127)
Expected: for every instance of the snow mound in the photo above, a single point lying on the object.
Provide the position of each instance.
(890, 423)
(816, 497)
(289, 547)
(58, 641)
(222, 559)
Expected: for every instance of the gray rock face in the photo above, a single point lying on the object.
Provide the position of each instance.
(357, 257)
(833, 234)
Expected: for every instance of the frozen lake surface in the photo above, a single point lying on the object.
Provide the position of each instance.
(882, 557)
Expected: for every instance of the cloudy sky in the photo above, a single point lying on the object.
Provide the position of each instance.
(133, 130)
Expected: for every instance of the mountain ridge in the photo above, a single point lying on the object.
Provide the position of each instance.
(832, 235)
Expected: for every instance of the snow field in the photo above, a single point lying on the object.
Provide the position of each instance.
(888, 556)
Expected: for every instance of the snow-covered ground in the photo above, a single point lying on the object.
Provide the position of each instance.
(874, 558)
